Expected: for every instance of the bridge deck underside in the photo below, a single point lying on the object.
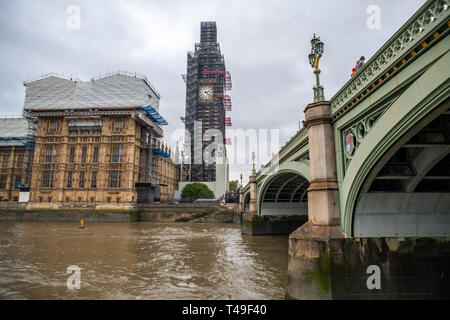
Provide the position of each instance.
(285, 194)
(410, 194)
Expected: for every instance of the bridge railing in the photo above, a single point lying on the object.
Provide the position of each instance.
(410, 35)
(297, 140)
(300, 138)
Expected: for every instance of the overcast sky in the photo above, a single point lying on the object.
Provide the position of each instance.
(265, 44)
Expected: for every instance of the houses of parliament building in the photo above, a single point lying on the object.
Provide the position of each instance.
(88, 144)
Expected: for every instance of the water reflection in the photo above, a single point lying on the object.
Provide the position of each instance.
(140, 261)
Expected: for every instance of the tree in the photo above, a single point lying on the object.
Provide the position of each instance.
(233, 185)
(197, 191)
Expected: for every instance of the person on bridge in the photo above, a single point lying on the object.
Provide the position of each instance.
(360, 63)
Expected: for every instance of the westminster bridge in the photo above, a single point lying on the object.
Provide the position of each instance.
(369, 174)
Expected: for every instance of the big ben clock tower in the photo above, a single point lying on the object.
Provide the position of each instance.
(206, 100)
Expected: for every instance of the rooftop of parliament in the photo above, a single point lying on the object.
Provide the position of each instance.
(91, 144)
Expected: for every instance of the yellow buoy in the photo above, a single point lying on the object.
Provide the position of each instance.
(81, 224)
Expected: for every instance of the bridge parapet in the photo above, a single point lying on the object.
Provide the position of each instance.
(413, 34)
(299, 140)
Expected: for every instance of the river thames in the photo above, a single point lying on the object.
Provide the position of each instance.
(140, 260)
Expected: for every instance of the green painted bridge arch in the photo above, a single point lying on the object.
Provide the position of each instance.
(246, 201)
(422, 102)
(391, 128)
(385, 116)
(282, 182)
(285, 191)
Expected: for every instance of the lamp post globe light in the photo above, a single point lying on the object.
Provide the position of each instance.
(314, 57)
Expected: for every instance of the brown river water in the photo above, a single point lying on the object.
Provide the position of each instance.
(141, 260)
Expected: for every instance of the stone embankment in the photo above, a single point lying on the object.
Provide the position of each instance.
(220, 215)
(183, 212)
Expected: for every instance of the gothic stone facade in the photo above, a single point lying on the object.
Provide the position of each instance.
(93, 152)
(16, 154)
(168, 176)
(96, 165)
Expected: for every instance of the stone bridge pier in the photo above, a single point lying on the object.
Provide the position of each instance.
(310, 244)
(277, 208)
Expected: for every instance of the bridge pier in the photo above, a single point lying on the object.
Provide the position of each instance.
(253, 208)
(254, 223)
(241, 200)
(252, 214)
(323, 205)
(325, 265)
(313, 244)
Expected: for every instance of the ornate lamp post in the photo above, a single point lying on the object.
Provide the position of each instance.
(314, 57)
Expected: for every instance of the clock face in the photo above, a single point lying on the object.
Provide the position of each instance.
(206, 92)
